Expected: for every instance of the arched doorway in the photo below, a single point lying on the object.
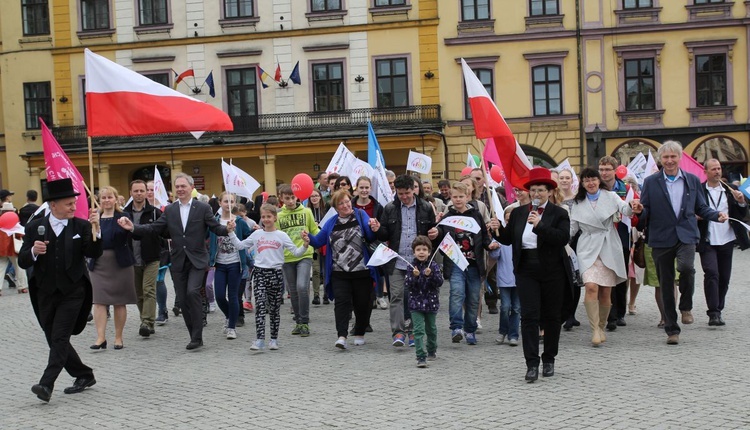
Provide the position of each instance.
(146, 173)
(537, 157)
(728, 151)
(631, 148)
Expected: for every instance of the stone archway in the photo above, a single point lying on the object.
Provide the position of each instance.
(146, 173)
(630, 149)
(728, 151)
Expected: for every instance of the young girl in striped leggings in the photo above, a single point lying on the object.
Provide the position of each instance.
(268, 281)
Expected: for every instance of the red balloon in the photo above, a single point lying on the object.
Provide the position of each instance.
(621, 172)
(466, 171)
(302, 186)
(8, 220)
(496, 172)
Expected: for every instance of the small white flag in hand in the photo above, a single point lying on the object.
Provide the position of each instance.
(382, 255)
(419, 163)
(160, 190)
(461, 223)
(452, 251)
(497, 206)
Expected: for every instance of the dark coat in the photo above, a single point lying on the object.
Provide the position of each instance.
(26, 212)
(735, 211)
(482, 239)
(390, 225)
(151, 244)
(76, 251)
(424, 291)
(665, 229)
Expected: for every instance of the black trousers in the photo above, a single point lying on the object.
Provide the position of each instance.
(187, 286)
(619, 294)
(351, 291)
(540, 290)
(717, 268)
(664, 260)
(57, 315)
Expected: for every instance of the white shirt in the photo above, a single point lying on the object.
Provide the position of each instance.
(184, 213)
(719, 233)
(57, 224)
(269, 247)
(528, 240)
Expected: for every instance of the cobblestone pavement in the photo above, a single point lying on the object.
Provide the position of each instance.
(634, 381)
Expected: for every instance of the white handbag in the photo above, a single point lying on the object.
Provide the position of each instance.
(17, 244)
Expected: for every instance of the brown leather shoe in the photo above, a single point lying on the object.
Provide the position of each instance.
(687, 317)
(673, 339)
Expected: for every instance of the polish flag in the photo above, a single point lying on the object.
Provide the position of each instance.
(121, 102)
(58, 166)
(489, 123)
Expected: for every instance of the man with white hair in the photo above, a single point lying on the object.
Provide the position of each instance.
(670, 201)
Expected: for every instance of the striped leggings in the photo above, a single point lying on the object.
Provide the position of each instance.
(268, 289)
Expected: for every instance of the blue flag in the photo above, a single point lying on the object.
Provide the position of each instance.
(294, 76)
(745, 188)
(210, 83)
(373, 148)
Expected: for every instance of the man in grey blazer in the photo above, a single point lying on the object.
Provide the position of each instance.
(670, 200)
(185, 222)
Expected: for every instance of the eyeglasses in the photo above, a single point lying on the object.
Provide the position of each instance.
(606, 169)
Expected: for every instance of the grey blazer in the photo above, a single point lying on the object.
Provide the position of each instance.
(190, 242)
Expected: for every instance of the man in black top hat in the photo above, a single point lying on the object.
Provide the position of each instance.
(56, 246)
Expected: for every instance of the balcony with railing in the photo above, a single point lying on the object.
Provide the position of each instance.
(418, 117)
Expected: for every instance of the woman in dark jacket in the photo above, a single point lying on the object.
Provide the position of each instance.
(112, 277)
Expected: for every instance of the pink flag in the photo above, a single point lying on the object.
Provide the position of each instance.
(58, 166)
(688, 164)
(121, 102)
(489, 155)
(489, 123)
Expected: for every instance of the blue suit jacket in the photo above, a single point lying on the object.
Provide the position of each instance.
(665, 229)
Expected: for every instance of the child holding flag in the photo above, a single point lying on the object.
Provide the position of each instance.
(423, 283)
(465, 279)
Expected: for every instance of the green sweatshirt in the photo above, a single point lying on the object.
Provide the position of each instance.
(292, 222)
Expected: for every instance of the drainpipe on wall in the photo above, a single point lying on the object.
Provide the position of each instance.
(579, 58)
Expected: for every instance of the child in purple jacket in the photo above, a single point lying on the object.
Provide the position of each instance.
(423, 284)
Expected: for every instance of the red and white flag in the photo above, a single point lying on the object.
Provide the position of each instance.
(121, 102)
(489, 123)
(58, 167)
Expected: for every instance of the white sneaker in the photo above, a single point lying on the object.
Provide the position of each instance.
(273, 345)
(500, 339)
(258, 345)
(231, 333)
(479, 326)
(513, 342)
(226, 325)
(382, 303)
(341, 343)
(212, 307)
(359, 340)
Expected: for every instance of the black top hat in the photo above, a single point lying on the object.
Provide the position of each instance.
(60, 189)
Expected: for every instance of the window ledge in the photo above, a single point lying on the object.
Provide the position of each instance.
(700, 12)
(31, 133)
(390, 10)
(91, 34)
(649, 15)
(476, 27)
(249, 21)
(544, 23)
(641, 118)
(35, 39)
(325, 16)
(709, 115)
(148, 29)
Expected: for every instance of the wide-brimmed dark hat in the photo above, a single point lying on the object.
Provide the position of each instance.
(60, 189)
(540, 176)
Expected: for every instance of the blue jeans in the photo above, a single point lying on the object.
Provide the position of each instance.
(161, 291)
(227, 284)
(464, 299)
(510, 312)
(297, 280)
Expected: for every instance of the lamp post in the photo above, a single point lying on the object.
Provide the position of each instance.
(597, 136)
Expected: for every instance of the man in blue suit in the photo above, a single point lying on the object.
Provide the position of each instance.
(670, 201)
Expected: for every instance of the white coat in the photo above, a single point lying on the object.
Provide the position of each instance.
(599, 236)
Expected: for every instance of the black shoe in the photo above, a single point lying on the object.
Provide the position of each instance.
(176, 311)
(611, 325)
(151, 330)
(144, 331)
(325, 300)
(713, 321)
(721, 321)
(80, 384)
(548, 369)
(316, 300)
(621, 322)
(568, 325)
(90, 317)
(576, 323)
(532, 374)
(162, 318)
(195, 344)
(368, 329)
(240, 321)
(120, 346)
(42, 392)
(102, 345)
(494, 310)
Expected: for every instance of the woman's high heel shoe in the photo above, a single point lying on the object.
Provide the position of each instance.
(102, 345)
(120, 346)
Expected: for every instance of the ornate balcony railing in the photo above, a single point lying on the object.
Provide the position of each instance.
(420, 116)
